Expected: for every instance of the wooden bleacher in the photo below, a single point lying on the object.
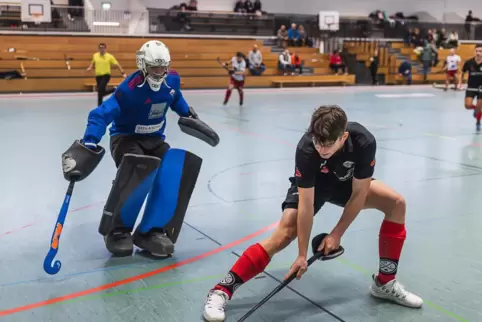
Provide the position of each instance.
(389, 63)
(45, 61)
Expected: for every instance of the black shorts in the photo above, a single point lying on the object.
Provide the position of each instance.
(334, 192)
(137, 144)
(471, 94)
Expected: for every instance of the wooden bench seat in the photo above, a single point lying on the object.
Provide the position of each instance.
(313, 80)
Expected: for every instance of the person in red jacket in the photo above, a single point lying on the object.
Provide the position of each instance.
(336, 63)
(296, 62)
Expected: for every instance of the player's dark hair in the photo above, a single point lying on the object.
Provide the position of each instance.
(103, 45)
(478, 45)
(328, 123)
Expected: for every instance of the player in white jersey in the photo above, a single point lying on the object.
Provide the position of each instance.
(452, 68)
(236, 79)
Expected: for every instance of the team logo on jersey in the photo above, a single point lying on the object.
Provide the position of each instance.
(172, 92)
(157, 110)
(372, 163)
(324, 169)
(348, 175)
(297, 173)
(348, 164)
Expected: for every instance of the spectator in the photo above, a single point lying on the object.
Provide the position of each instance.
(183, 17)
(297, 63)
(302, 35)
(468, 23)
(427, 57)
(284, 63)
(249, 7)
(293, 36)
(258, 7)
(336, 63)
(282, 37)
(192, 5)
(441, 41)
(453, 41)
(430, 35)
(416, 40)
(374, 62)
(405, 70)
(256, 65)
(240, 6)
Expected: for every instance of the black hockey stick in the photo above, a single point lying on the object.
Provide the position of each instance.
(315, 242)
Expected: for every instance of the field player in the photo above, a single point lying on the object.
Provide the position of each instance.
(334, 163)
(452, 68)
(474, 67)
(236, 79)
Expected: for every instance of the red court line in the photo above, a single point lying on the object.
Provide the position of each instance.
(44, 220)
(137, 277)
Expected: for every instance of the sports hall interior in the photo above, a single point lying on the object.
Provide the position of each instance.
(45, 88)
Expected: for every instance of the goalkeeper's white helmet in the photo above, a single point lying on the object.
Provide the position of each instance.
(154, 60)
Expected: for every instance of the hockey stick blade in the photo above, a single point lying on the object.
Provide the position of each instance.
(314, 258)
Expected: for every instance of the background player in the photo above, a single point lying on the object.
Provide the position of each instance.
(474, 67)
(145, 162)
(334, 163)
(452, 69)
(236, 79)
(102, 61)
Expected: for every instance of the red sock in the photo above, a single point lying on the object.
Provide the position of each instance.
(390, 244)
(478, 116)
(253, 261)
(228, 95)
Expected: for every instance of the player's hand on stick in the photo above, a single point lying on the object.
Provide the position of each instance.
(300, 266)
(329, 244)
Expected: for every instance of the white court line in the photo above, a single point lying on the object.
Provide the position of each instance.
(327, 89)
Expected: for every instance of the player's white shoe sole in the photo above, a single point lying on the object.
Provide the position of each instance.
(214, 307)
(395, 292)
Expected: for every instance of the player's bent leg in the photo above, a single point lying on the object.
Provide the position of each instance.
(167, 202)
(253, 261)
(391, 239)
(132, 183)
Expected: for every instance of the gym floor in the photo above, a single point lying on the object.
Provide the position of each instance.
(427, 150)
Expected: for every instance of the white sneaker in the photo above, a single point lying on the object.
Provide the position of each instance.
(395, 292)
(214, 307)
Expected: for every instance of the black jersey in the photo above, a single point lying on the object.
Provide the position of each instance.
(355, 159)
(475, 73)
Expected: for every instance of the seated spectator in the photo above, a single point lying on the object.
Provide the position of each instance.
(442, 39)
(282, 37)
(416, 40)
(249, 7)
(192, 5)
(336, 63)
(240, 6)
(293, 36)
(297, 63)
(430, 36)
(258, 7)
(284, 63)
(453, 40)
(183, 18)
(405, 70)
(256, 65)
(302, 35)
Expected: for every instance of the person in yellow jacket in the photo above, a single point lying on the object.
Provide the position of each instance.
(102, 61)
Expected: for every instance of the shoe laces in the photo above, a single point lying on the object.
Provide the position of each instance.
(399, 290)
(216, 300)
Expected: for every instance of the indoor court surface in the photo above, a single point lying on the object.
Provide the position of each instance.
(427, 150)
